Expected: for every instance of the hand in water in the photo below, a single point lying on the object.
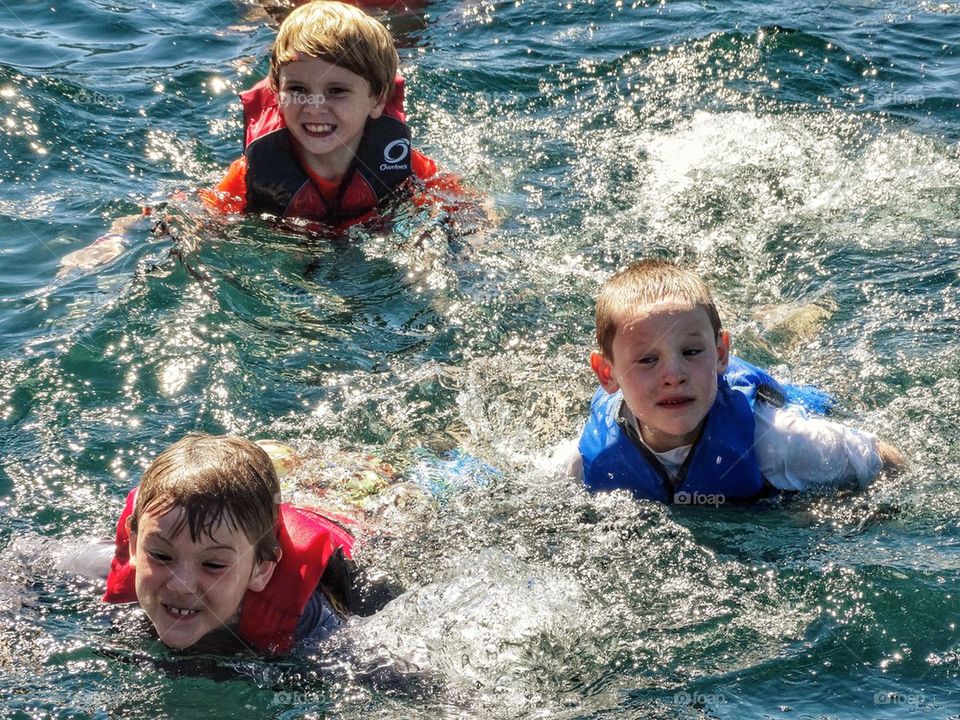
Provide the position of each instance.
(101, 251)
(891, 456)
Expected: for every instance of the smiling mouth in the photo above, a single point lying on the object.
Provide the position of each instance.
(319, 129)
(180, 612)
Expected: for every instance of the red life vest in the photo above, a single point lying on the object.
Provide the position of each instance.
(278, 185)
(268, 619)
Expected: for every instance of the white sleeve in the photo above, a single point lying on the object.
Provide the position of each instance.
(798, 452)
(563, 460)
(91, 561)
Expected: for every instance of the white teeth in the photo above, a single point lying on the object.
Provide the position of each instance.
(318, 127)
(180, 611)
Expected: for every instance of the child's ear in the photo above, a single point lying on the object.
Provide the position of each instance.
(604, 372)
(723, 351)
(131, 543)
(377, 110)
(262, 572)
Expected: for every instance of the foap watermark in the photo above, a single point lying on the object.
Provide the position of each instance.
(288, 697)
(912, 700)
(699, 699)
(288, 98)
(298, 297)
(894, 97)
(94, 97)
(698, 498)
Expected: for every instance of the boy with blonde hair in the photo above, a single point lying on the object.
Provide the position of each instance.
(326, 137)
(678, 419)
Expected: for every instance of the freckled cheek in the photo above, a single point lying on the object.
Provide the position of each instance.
(147, 581)
(151, 576)
(632, 374)
(711, 393)
(638, 383)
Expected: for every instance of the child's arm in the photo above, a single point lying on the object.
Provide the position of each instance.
(230, 195)
(799, 452)
(446, 191)
(102, 250)
(91, 561)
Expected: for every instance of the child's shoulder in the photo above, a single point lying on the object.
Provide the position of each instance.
(424, 167)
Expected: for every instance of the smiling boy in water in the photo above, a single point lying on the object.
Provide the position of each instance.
(206, 549)
(325, 134)
(668, 425)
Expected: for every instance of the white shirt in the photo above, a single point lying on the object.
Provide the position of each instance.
(794, 451)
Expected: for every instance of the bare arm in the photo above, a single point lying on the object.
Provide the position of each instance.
(102, 250)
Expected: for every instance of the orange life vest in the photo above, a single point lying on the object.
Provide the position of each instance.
(277, 184)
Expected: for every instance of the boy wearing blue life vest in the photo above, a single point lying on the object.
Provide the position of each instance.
(214, 559)
(679, 420)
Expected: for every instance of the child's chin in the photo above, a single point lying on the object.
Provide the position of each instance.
(221, 640)
(180, 638)
(176, 641)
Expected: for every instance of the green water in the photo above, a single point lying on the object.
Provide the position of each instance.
(795, 155)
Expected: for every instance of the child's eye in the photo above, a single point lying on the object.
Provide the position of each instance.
(335, 91)
(690, 352)
(646, 360)
(214, 566)
(158, 556)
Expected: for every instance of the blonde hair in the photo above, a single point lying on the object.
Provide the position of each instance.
(214, 479)
(644, 283)
(342, 35)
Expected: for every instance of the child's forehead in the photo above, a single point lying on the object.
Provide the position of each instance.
(683, 315)
(310, 66)
(171, 522)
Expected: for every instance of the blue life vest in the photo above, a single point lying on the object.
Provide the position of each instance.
(721, 465)
(752, 381)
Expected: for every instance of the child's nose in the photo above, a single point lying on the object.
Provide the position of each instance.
(182, 579)
(314, 101)
(673, 373)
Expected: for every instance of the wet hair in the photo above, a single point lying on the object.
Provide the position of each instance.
(644, 283)
(341, 35)
(215, 479)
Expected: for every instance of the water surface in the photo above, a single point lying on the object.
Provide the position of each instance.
(798, 156)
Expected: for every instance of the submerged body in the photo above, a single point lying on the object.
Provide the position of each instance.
(666, 422)
(746, 448)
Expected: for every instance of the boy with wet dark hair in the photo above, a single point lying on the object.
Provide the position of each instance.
(212, 556)
(678, 418)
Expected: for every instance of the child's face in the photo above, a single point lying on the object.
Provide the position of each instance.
(665, 360)
(189, 589)
(326, 108)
